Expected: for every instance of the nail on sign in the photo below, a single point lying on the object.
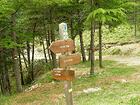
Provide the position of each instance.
(65, 61)
(63, 74)
(62, 46)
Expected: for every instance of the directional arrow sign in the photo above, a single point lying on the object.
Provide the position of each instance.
(65, 61)
(62, 46)
(63, 74)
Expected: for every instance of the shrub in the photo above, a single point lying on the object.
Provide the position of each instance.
(41, 67)
(115, 51)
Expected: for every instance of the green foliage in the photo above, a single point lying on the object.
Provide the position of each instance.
(115, 51)
(45, 78)
(110, 12)
(40, 67)
(129, 5)
(8, 43)
(120, 34)
(107, 15)
(134, 101)
(4, 99)
(41, 72)
(6, 9)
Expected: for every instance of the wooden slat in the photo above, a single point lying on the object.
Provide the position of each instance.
(67, 75)
(65, 61)
(62, 46)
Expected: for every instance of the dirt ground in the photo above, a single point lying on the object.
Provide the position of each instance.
(129, 60)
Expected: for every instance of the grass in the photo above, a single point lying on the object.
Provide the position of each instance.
(111, 94)
(113, 90)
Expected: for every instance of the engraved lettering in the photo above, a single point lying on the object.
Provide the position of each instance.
(57, 74)
(57, 71)
(66, 46)
(69, 60)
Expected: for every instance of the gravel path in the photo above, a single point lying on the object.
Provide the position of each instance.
(129, 60)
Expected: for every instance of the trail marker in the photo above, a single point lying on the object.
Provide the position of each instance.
(63, 31)
(73, 59)
(64, 73)
(62, 46)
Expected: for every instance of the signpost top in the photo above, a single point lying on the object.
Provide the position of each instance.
(63, 31)
(62, 46)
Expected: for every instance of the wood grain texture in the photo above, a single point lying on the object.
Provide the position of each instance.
(61, 46)
(69, 60)
(67, 75)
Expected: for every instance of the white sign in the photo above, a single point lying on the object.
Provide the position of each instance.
(63, 31)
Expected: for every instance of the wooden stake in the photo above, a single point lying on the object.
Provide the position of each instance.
(68, 92)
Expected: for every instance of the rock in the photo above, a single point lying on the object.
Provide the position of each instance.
(91, 90)
(124, 81)
(32, 87)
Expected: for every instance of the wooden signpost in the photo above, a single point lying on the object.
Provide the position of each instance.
(62, 46)
(64, 72)
(65, 61)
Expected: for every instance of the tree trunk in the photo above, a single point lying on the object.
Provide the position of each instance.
(53, 59)
(20, 65)
(92, 48)
(81, 38)
(25, 60)
(44, 50)
(28, 53)
(82, 46)
(100, 45)
(15, 58)
(71, 28)
(52, 39)
(135, 19)
(4, 76)
(89, 54)
(33, 48)
(48, 44)
(72, 31)
(32, 64)
(92, 43)
(29, 79)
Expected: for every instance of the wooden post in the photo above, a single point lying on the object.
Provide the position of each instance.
(68, 92)
(68, 87)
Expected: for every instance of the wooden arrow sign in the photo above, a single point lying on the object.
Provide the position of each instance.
(62, 46)
(63, 74)
(65, 61)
